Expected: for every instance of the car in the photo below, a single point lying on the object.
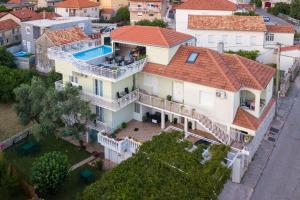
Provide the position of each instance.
(266, 19)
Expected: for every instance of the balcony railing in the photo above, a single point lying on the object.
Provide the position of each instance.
(110, 104)
(217, 129)
(66, 53)
(144, 9)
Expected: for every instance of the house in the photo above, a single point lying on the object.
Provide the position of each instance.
(202, 7)
(288, 56)
(159, 77)
(271, 3)
(32, 30)
(107, 13)
(25, 14)
(147, 9)
(80, 8)
(19, 4)
(10, 33)
(47, 3)
(239, 33)
(111, 4)
(55, 38)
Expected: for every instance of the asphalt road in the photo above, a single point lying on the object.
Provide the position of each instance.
(280, 179)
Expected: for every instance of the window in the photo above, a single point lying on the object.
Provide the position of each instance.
(252, 40)
(73, 79)
(139, 14)
(225, 39)
(238, 39)
(211, 39)
(137, 108)
(16, 37)
(151, 15)
(67, 10)
(270, 36)
(13, 31)
(27, 29)
(24, 42)
(192, 57)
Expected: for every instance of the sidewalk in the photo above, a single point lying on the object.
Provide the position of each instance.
(234, 191)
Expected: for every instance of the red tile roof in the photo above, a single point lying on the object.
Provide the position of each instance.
(291, 48)
(280, 28)
(25, 14)
(66, 36)
(149, 35)
(228, 23)
(107, 11)
(146, 0)
(208, 5)
(246, 120)
(8, 24)
(76, 4)
(48, 15)
(223, 71)
(2, 14)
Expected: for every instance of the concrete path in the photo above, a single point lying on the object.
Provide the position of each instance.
(83, 162)
(265, 174)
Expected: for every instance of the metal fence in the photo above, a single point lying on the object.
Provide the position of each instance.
(16, 138)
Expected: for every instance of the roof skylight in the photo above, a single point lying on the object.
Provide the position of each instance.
(192, 57)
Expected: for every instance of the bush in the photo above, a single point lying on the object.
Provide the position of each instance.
(258, 3)
(6, 58)
(249, 13)
(121, 15)
(124, 125)
(49, 172)
(280, 7)
(247, 54)
(295, 9)
(99, 164)
(155, 22)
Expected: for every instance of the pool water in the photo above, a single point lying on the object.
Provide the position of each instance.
(93, 53)
(21, 54)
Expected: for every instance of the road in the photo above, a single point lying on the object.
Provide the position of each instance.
(273, 19)
(280, 179)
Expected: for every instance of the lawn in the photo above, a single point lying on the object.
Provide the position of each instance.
(23, 163)
(9, 125)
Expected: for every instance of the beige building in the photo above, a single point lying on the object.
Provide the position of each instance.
(10, 33)
(147, 10)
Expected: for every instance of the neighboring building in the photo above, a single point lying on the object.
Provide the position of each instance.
(47, 3)
(80, 8)
(239, 33)
(271, 3)
(288, 56)
(32, 30)
(55, 38)
(25, 14)
(147, 9)
(19, 4)
(107, 13)
(202, 7)
(10, 33)
(198, 90)
(112, 4)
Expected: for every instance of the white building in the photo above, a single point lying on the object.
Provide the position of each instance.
(239, 33)
(80, 8)
(196, 89)
(288, 56)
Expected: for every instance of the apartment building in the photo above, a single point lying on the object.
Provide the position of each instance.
(55, 38)
(47, 3)
(10, 33)
(32, 30)
(147, 9)
(239, 33)
(19, 4)
(159, 74)
(80, 8)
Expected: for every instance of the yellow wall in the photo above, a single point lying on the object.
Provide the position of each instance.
(113, 4)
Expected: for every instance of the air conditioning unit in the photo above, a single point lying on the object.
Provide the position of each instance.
(221, 94)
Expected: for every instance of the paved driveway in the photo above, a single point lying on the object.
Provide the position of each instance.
(281, 178)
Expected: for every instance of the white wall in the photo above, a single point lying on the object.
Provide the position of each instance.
(84, 12)
(181, 16)
(287, 59)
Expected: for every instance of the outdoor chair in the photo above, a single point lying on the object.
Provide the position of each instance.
(126, 90)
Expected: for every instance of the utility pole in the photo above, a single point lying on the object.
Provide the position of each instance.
(278, 67)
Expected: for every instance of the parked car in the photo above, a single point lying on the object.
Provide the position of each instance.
(266, 19)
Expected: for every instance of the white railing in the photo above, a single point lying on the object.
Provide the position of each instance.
(217, 129)
(114, 73)
(110, 104)
(119, 145)
(99, 126)
(143, 9)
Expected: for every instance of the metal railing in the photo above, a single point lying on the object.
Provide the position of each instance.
(144, 9)
(110, 104)
(114, 73)
(217, 129)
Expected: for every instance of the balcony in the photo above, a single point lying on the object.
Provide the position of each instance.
(110, 104)
(144, 9)
(111, 72)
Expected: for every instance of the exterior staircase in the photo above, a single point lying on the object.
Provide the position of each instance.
(216, 129)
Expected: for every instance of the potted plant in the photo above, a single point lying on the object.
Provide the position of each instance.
(169, 97)
(247, 138)
(175, 120)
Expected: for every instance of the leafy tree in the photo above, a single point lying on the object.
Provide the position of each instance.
(47, 9)
(258, 3)
(155, 22)
(6, 58)
(164, 169)
(4, 9)
(121, 15)
(11, 79)
(247, 54)
(51, 78)
(280, 7)
(49, 172)
(295, 9)
(248, 13)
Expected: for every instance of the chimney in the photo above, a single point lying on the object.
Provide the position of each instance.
(220, 47)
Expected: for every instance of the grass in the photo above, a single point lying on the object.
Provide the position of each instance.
(73, 185)
(9, 125)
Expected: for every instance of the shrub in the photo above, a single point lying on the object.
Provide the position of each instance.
(49, 172)
(99, 164)
(258, 3)
(6, 58)
(249, 13)
(295, 7)
(155, 22)
(280, 7)
(124, 125)
(121, 15)
(247, 54)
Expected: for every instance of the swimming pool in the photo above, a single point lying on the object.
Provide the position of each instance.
(21, 54)
(93, 53)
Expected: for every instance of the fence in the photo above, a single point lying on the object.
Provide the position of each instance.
(14, 139)
(290, 19)
(285, 81)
